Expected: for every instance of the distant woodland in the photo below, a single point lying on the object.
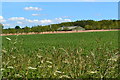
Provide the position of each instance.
(86, 24)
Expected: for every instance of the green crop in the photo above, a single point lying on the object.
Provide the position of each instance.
(70, 55)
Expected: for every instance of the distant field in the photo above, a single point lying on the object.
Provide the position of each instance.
(70, 55)
(32, 43)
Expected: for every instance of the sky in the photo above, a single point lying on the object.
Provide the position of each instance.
(44, 13)
(60, 0)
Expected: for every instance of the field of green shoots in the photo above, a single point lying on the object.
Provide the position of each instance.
(65, 55)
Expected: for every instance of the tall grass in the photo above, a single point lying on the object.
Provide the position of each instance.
(73, 55)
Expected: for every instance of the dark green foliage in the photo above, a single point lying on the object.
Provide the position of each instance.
(1, 27)
(88, 27)
(87, 24)
(17, 27)
(26, 29)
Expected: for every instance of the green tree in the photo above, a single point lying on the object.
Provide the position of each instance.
(11, 30)
(26, 29)
(88, 27)
(17, 27)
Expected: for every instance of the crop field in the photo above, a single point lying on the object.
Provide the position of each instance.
(65, 55)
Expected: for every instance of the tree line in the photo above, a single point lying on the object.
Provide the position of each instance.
(86, 24)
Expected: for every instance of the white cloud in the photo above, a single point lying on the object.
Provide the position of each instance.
(46, 21)
(33, 8)
(2, 19)
(35, 20)
(66, 16)
(16, 18)
(19, 22)
(62, 20)
(6, 25)
(28, 20)
(39, 14)
(58, 19)
(35, 14)
(67, 20)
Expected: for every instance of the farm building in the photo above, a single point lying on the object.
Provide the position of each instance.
(71, 28)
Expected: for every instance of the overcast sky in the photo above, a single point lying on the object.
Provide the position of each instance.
(44, 13)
